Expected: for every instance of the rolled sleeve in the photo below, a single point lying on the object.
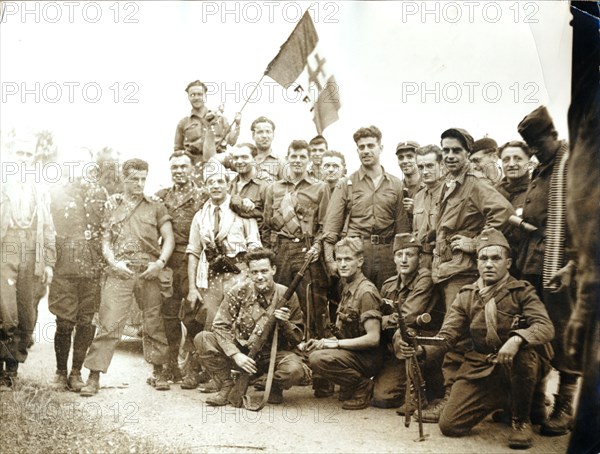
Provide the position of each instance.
(194, 246)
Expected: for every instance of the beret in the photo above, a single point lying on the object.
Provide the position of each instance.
(485, 144)
(460, 134)
(535, 124)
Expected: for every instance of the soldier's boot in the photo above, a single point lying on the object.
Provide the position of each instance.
(84, 335)
(362, 396)
(160, 379)
(92, 385)
(322, 387)
(60, 381)
(210, 387)
(539, 412)
(561, 421)
(522, 391)
(276, 395)
(431, 414)
(223, 379)
(345, 393)
(191, 375)
(521, 435)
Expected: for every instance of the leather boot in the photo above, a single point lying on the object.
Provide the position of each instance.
(276, 395)
(60, 382)
(560, 421)
(521, 435)
(222, 379)
(362, 396)
(75, 382)
(160, 379)
(92, 386)
(411, 406)
(84, 335)
(432, 413)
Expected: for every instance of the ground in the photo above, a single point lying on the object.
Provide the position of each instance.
(128, 415)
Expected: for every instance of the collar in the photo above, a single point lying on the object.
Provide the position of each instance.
(306, 178)
(362, 173)
(435, 187)
(223, 206)
(518, 185)
(200, 114)
(353, 286)
(254, 179)
(461, 177)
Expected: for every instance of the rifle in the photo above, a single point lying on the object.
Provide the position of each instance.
(413, 374)
(237, 395)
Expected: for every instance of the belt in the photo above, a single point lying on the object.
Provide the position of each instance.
(378, 239)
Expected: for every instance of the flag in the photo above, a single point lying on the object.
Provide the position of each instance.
(299, 62)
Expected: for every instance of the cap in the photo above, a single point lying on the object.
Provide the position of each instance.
(491, 237)
(462, 135)
(195, 83)
(404, 240)
(534, 124)
(408, 145)
(486, 144)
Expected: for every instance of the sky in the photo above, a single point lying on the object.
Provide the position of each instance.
(113, 73)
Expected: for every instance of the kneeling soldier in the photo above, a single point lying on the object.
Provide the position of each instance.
(358, 355)
(239, 321)
(511, 332)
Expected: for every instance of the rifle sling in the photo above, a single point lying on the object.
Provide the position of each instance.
(247, 399)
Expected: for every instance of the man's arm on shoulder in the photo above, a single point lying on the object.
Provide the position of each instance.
(494, 207)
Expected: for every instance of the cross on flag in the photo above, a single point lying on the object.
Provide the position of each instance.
(299, 61)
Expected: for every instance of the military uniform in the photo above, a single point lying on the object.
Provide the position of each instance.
(375, 214)
(181, 204)
(424, 220)
(237, 325)
(27, 238)
(351, 369)
(74, 297)
(295, 214)
(133, 233)
(481, 385)
(255, 190)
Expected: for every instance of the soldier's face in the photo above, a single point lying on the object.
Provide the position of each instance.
(493, 264)
(263, 136)
(369, 150)
(515, 162)
(332, 168)
(181, 169)
(429, 168)
(135, 181)
(262, 274)
(196, 96)
(481, 160)
(316, 153)
(544, 146)
(242, 159)
(297, 161)
(407, 161)
(217, 188)
(348, 264)
(454, 155)
(407, 260)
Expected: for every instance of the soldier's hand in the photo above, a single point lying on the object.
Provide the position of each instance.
(390, 321)
(331, 268)
(509, 350)
(237, 118)
(402, 349)
(313, 253)
(562, 279)
(121, 269)
(462, 243)
(152, 271)
(409, 204)
(247, 204)
(194, 297)
(245, 363)
(282, 314)
(48, 275)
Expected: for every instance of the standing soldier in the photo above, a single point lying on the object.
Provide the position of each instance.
(369, 202)
(28, 257)
(270, 166)
(484, 158)
(333, 167)
(136, 267)
(467, 205)
(295, 212)
(182, 201)
(77, 210)
(429, 164)
(406, 152)
(543, 258)
(317, 146)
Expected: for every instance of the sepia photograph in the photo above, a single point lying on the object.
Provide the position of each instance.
(299, 226)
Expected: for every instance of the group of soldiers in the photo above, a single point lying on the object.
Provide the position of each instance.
(464, 251)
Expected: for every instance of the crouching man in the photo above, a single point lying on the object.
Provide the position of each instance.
(354, 356)
(239, 321)
(510, 330)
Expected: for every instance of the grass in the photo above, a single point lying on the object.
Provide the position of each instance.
(38, 419)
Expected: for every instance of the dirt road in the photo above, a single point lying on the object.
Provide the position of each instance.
(179, 420)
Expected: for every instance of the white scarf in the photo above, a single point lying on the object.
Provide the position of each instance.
(207, 235)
